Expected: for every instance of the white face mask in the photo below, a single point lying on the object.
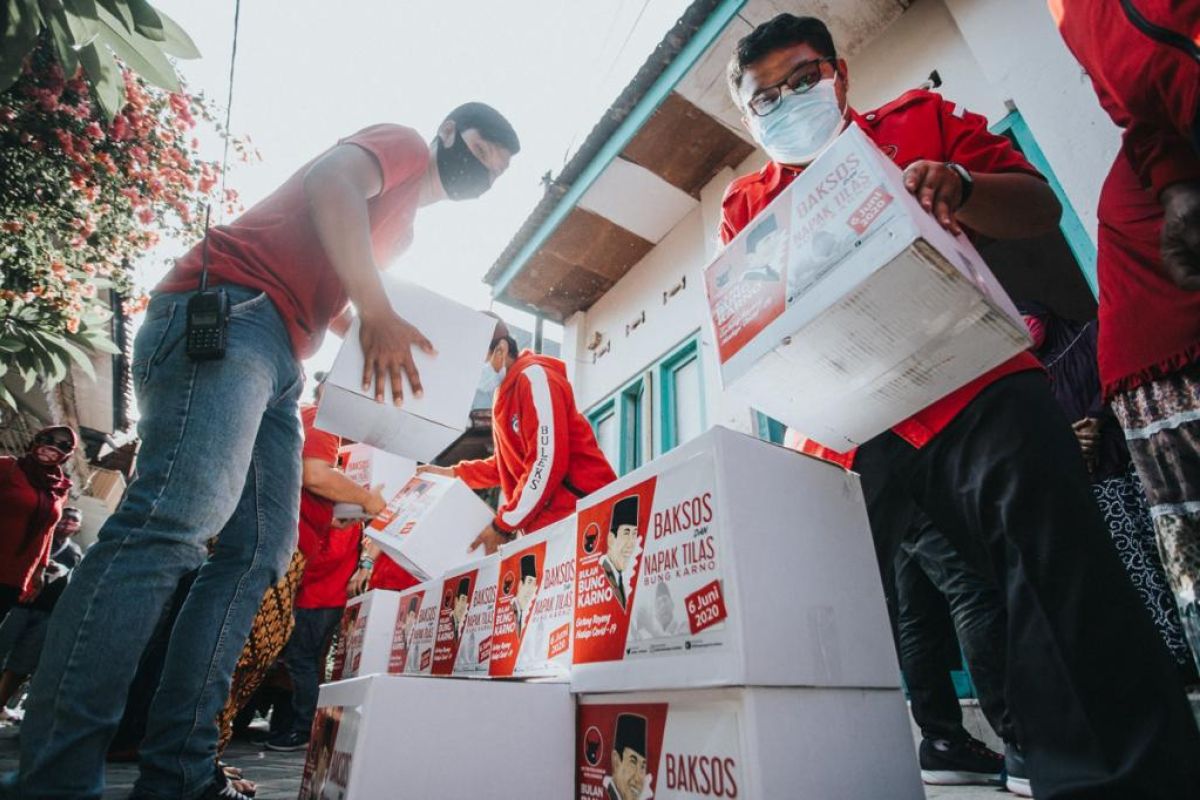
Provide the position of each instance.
(802, 126)
(490, 379)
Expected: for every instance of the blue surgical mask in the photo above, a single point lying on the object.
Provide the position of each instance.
(490, 379)
(802, 126)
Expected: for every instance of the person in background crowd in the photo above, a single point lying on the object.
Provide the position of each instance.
(1068, 351)
(993, 463)
(24, 629)
(33, 491)
(546, 457)
(288, 267)
(1143, 58)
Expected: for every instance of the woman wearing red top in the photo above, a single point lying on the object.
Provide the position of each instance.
(33, 490)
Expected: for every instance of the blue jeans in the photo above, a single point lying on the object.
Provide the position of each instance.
(220, 457)
(314, 627)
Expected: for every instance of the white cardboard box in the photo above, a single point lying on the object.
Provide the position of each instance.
(386, 737)
(464, 634)
(367, 625)
(747, 564)
(843, 308)
(412, 640)
(531, 637)
(429, 524)
(749, 743)
(423, 426)
(369, 466)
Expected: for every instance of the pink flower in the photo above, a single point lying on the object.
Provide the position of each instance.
(73, 324)
(145, 216)
(12, 226)
(94, 131)
(120, 127)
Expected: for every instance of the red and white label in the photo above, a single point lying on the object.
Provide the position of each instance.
(403, 635)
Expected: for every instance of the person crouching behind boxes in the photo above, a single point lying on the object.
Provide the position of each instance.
(995, 461)
(546, 457)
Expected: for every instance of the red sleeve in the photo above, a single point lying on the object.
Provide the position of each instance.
(478, 474)
(967, 141)
(734, 214)
(543, 410)
(318, 444)
(401, 152)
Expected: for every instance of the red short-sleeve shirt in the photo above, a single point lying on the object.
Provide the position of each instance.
(916, 126)
(274, 246)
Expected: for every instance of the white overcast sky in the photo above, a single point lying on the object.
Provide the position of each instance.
(311, 71)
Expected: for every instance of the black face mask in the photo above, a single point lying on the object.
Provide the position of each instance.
(463, 176)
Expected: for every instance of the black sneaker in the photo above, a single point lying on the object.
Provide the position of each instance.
(1016, 779)
(222, 789)
(288, 742)
(965, 762)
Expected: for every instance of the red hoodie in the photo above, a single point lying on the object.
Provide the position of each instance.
(546, 453)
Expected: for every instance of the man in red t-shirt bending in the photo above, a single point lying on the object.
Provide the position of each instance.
(994, 463)
(221, 444)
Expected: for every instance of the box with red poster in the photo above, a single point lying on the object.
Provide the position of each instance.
(429, 524)
(843, 308)
(748, 743)
(412, 639)
(531, 636)
(464, 633)
(386, 737)
(729, 561)
(369, 466)
(366, 632)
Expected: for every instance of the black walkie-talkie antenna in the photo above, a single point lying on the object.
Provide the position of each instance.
(237, 13)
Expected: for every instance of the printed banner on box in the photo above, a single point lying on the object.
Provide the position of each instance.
(330, 753)
(418, 651)
(403, 636)
(473, 637)
(635, 751)
(345, 632)
(650, 575)
(406, 507)
(794, 243)
(457, 591)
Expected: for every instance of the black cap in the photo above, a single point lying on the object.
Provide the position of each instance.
(528, 566)
(464, 586)
(625, 512)
(630, 734)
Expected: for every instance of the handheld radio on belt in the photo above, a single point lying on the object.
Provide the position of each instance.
(208, 311)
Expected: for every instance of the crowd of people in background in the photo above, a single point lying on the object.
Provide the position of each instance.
(1045, 518)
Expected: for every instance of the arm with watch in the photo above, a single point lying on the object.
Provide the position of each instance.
(999, 205)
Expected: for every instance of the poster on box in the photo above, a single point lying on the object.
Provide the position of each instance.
(403, 636)
(650, 576)
(796, 242)
(345, 630)
(330, 753)
(464, 633)
(531, 635)
(407, 506)
(355, 640)
(636, 751)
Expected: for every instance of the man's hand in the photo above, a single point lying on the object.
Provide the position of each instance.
(1181, 234)
(432, 469)
(490, 539)
(387, 343)
(358, 583)
(375, 504)
(1087, 431)
(938, 189)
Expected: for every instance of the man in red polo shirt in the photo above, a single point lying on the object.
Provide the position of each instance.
(995, 461)
(221, 445)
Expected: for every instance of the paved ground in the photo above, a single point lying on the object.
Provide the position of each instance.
(278, 774)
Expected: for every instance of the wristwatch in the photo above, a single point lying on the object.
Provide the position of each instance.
(366, 563)
(968, 183)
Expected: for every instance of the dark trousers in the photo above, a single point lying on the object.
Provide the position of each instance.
(314, 627)
(936, 583)
(9, 595)
(1095, 698)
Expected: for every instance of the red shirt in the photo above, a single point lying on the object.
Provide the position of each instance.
(21, 555)
(546, 453)
(387, 574)
(916, 126)
(331, 553)
(274, 246)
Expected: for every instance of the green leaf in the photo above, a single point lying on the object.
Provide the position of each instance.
(142, 55)
(119, 9)
(11, 344)
(6, 398)
(101, 343)
(81, 17)
(107, 84)
(28, 379)
(146, 20)
(81, 359)
(62, 39)
(20, 35)
(175, 39)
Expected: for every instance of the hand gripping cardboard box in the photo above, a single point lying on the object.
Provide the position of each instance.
(367, 625)
(748, 743)
(531, 636)
(423, 426)
(429, 524)
(844, 308)
(369, 466)
(415, 631)
(463, 645)
(729, 561)
(388, 737)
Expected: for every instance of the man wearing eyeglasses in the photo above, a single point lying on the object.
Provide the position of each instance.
(1095, 696)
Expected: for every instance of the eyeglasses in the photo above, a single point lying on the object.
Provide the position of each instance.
(61, 444)
(805, 76)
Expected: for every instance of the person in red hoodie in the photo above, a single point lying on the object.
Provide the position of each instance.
(1144, 61)
(546, 457)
